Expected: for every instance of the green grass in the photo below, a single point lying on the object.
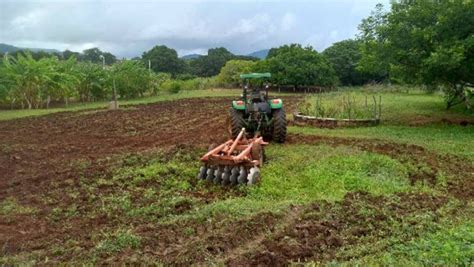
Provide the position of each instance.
(453, 245)
(15, 114)
(452, 139)
(399, 107)
(413, 117)
(118, 241)
(328, 173)
(450, 242)
(10, 207)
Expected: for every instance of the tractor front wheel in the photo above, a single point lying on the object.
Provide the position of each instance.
(279, 125)
(236, 122)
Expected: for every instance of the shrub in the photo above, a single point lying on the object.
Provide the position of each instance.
(173, 86)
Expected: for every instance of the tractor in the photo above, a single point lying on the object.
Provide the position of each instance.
(256, 111)
(253, 118)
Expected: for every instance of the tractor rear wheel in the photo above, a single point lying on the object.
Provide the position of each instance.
(279, 125)
(236, 122)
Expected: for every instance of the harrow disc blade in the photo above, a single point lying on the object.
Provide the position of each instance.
(254, 176)
(202, 173)
(218, 174)
(210, 173)
(234, 175)
(242, 179)
(226, 175)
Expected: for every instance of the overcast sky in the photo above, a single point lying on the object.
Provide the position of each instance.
(127, 28)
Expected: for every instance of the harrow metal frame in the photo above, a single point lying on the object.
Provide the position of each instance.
(234, 154)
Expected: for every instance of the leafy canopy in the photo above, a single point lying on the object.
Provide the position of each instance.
(163, 59)
(230, 73)
(423, 42)
(298, 66)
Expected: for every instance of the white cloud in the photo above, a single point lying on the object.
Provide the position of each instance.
(127, 28)
(288, 21)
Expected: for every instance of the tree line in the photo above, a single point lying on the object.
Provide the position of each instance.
(426, 43)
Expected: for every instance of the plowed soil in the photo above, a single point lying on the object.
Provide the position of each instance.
(38, 150)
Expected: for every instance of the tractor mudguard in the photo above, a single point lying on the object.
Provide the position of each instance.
(238, 105)
(276, 103)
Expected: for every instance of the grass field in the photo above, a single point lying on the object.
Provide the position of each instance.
(400, 193)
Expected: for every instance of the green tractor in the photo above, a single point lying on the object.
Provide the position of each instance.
(256, 112)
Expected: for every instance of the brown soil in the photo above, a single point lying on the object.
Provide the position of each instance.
(39, 154)
(323, 229)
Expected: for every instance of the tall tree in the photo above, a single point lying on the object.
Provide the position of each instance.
(132, 79)
(212, 63)
(163, 59)
(94, 55)
(68, 53)
(344, 57)
(230, 73)
(375, 56)
(298, 66)
(426, 42)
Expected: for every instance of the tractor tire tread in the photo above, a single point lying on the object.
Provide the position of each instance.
(279, 125)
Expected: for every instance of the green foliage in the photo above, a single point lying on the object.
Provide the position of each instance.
(132, 79)
(424, 42)
(297, 66)
(375, 58)
(34, 82)
(163, 59)
(185, 76)
(415, 117)
(328, 173)
(10, 207)
(451, 246)
(94, 55)
(116, 242)
(92, 82)
(341, 106)
(172, 86)
(229, 75)
(212, 63)
(344, 57)
(31, 83)
(157, 81)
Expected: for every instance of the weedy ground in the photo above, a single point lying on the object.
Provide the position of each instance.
(400, 193)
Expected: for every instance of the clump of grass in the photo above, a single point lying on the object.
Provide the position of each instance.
(449, 246)
(117, 241)
(328, 173)
(342, 106)
(10, 207)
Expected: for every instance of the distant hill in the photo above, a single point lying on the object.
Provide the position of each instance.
(10, 48)
(191, 56)
(261, 54)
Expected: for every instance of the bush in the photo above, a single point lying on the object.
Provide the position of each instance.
(294, 65)
(157, 82)
(132, 79)
(173, 86)
(230, 73)
(185, 76)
